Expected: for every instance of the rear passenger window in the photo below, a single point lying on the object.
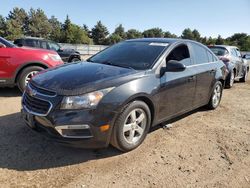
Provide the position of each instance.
(181, 54)
(200, 54)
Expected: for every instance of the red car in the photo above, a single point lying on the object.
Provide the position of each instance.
(18, 65)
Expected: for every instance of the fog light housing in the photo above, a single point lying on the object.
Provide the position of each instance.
(74, 131)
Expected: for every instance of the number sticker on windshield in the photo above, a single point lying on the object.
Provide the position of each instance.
(158, 44)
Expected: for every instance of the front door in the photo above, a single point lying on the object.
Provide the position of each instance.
(177, 89)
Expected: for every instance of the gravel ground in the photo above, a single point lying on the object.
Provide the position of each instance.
(201, 149)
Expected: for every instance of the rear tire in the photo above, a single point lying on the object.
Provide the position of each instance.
(26, 75)
(244, 78)
(230, 80)
(131, 126)
(75, 59)
(216, 96)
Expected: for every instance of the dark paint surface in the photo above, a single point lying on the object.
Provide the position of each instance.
(168, 95)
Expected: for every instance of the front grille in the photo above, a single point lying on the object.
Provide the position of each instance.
(42, 91)
(36, 105)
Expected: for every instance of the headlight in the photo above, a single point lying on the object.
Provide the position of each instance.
(55, 57)
(88, 100)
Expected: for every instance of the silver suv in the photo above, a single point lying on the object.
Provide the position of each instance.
(231, 56)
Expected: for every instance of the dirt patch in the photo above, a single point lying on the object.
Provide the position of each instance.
(201, 149)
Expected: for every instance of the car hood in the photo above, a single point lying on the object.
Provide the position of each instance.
(83, 77)
(33, 50)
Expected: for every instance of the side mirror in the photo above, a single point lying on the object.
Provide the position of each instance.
(244, 56)
(2, 45)
(174, 66)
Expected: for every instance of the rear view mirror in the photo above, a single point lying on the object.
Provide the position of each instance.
(2, 45)
(175, 66)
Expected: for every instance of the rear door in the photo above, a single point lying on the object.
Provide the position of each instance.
(205, 68)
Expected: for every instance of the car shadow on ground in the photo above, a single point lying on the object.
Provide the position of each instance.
(23, 149)
(10, 92)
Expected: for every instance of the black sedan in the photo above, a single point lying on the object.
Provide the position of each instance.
(123, 91)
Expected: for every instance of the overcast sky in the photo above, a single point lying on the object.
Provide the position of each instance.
(209, 17)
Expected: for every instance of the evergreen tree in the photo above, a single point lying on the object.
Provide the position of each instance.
(219, 40)
(196, 35)
(152, 33)
(120, 31)
(2, 26)
(67, 35)
(187, 34)
(39, 25)
(133, 33)
(16, 23)
(100, 33)
(56, 26)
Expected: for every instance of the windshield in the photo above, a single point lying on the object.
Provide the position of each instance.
(7, 43)
(136, 55)
(219, 51)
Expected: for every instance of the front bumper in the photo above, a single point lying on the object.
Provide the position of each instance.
(79, 129)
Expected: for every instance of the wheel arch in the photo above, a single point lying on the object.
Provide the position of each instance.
(144, 98)
(26, 65)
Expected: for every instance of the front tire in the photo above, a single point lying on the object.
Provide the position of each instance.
(131, 126)
(216, 96)
(26, 75)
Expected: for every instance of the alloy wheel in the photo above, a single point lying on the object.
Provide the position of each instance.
(29, 76)
(135, 125)
(216, 95)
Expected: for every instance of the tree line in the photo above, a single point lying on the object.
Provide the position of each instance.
(35, 23)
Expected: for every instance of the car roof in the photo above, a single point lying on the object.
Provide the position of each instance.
(161, 40)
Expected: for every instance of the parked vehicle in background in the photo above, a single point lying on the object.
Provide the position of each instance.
(246, 58)
(67, 55)
(122, 91)
(231, 56)
(18, 65)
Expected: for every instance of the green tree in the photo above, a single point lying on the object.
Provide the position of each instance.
(56, 27)
(79, 35)
(241, 40)
(211, 41)
(133, 33)
(114, 38)
(16, 23)
(219, 40)
(187, 34)
(2, 26)
(154, 32)
(86, 29)
(120, 31)
(167, 34)
(39, 25)
(100, 33)
(67, 31)
(196, 35)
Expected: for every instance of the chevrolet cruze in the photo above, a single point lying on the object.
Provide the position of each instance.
(120, 93)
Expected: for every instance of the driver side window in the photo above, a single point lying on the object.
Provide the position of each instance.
(181, 54)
